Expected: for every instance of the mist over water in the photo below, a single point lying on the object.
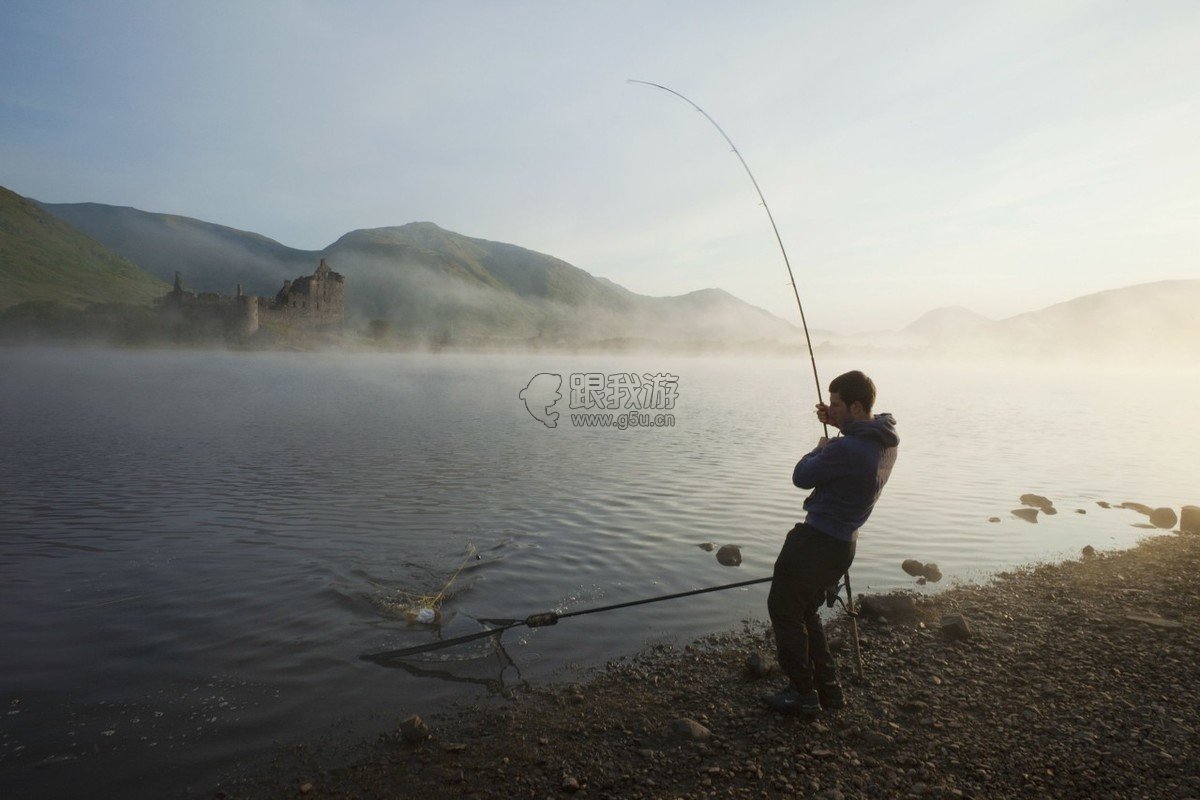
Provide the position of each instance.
(196, 547)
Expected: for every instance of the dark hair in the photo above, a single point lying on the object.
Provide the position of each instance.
(852, 386)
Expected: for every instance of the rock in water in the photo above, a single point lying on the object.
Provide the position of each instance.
(931, 573)
(1189, 519)
(707, 547)
(1141, 508)
(913, 567)
(955, 627)
(1089, 551)
(1103, 504)
(993, 519)
(1027, 514)
(1037, 501)
(1163, 518)
(729, 555)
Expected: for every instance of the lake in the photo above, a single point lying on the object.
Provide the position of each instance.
(195, 547)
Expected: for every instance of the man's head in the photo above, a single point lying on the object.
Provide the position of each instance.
(851, 396)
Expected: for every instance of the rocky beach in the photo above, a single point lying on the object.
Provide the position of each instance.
(1075, 679)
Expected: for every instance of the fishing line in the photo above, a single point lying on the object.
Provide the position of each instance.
(779, 239)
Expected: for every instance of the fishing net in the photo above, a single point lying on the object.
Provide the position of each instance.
(426, 608)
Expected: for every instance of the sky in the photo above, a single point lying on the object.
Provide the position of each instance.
(997, 156)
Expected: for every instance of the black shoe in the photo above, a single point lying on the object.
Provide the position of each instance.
(790, 701)
(831, 695)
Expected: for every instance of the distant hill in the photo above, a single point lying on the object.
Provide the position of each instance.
(437, 286)
(423, 278)
(949, 321)
(432, 284)
(44, 259)
(211, 258)
(1147, 322)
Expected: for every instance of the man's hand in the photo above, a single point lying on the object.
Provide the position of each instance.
(823, 413)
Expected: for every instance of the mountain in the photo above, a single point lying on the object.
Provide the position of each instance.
(434, 285)
(210, 258)
(44, 259)
(431, 284)
(423, 278)
(949, 321)
(1141, 323)
(1146, 322)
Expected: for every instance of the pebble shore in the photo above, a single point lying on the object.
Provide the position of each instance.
(1077, 679)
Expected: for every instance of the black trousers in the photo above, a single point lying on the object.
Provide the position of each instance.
(809, 563)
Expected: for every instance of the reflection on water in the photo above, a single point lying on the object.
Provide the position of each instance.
(196, 547)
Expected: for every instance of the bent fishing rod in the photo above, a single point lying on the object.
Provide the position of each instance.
(775, 228)
(796, 293)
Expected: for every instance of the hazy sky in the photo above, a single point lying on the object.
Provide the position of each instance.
(1001, 156)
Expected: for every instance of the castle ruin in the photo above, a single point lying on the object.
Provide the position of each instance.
(311, 303)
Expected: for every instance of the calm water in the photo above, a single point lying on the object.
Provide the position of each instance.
(196, 547)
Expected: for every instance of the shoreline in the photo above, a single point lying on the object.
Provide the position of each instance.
(1079, 678)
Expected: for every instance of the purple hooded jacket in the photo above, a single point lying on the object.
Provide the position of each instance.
(847, 475)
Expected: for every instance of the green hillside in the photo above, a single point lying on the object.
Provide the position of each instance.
(211, 258)
(44, 259)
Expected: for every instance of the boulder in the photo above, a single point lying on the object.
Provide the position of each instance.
(893, 607)
(913, 567)
(730, 555)
(1163, 518)
(689, 729)
(931, 573)
(1027, 514)
(414, 730)
(1189, 519)
(760, 665)
(955, 627)
(1089, 551)
(1141, 508)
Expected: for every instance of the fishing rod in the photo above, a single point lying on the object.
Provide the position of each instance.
(540, 620)
(779, 239)
(803, 320)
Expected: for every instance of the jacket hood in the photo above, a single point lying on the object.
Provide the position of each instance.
(881, 428)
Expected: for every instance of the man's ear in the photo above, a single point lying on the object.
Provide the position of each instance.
(857, 410)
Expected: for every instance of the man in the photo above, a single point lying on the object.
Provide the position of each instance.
(846, 476)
